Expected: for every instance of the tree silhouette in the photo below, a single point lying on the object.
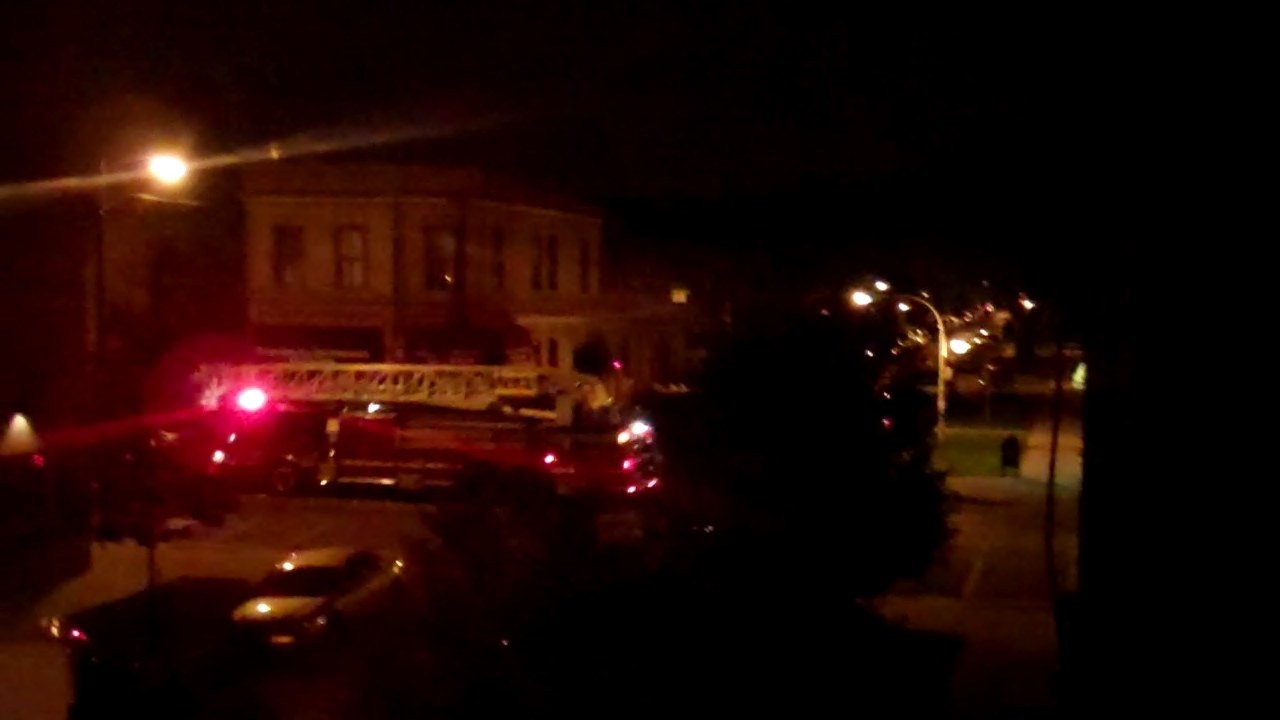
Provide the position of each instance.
(791, 435)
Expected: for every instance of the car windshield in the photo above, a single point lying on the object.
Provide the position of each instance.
(304, 582)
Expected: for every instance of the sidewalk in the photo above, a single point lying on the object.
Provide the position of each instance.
(992, 587)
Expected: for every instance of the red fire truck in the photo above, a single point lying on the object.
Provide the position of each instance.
(414, 428)
(414, 448)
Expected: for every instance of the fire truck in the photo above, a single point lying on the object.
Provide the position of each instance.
(319, 427)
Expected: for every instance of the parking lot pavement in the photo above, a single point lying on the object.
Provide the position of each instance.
(250, 542)
(33, 680)
(287, 523)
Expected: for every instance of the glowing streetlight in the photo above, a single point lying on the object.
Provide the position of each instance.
(19, 438)
(160, 168)
(863, 298)
(167, 169)
(1026, 302)
(959, 346)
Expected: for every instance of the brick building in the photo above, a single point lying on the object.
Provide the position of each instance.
(381, 262)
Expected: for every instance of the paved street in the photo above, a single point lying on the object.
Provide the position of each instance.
(251, 541)
(992, 586)
(33, 681)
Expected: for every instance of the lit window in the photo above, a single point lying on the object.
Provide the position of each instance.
(679, 295)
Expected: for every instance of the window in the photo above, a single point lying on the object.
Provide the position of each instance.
(353, 249)
(553, 352)
(553, 263)
(499, 258)
(286, 255)
(536, 281)
(440, 246)
(584, 266)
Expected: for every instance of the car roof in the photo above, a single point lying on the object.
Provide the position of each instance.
(322, 557)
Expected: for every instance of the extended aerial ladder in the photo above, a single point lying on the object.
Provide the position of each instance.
(465, 387)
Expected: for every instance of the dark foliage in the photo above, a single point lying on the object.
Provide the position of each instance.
(592, 357)
(791, 439)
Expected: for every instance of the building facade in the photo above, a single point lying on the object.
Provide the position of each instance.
(378, 262)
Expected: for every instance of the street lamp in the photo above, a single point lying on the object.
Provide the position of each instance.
(161, 168)
(167, 169)
(959, 346)
(862, 298)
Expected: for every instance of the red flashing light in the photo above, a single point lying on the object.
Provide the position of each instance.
(628, 463)
(37, 460)
(549, 458)
(76, 634)
(631, 489)
(251, 399)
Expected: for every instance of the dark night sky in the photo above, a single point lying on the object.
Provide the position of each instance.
(849, 129)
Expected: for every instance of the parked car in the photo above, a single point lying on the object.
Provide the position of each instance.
(314, 594)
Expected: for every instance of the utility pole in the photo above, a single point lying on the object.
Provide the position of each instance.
(986, 395)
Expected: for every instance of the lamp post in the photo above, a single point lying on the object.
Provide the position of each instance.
(162, 169)
(862, 298)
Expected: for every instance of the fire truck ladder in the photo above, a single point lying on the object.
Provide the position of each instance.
(468, 387)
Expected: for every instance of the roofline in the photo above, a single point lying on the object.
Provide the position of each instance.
(293, 198)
